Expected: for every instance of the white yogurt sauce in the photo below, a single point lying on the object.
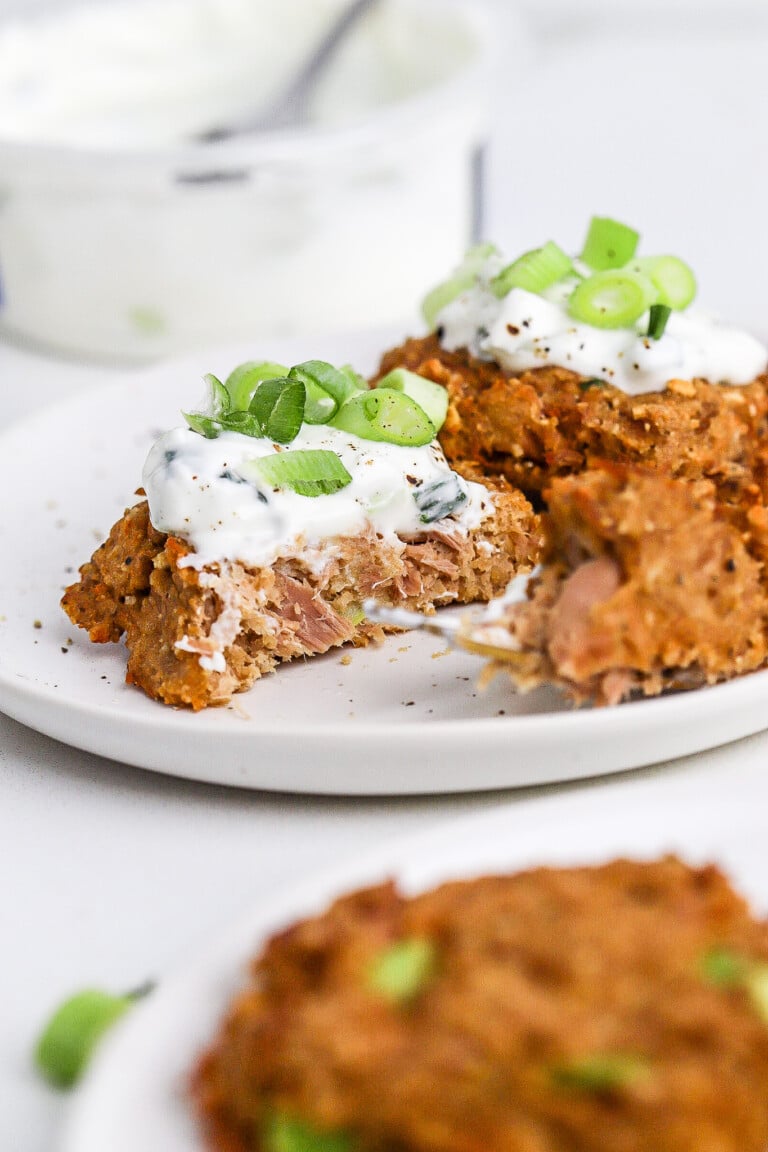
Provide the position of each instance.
(153, 72)
(524, 331)
(204, 492)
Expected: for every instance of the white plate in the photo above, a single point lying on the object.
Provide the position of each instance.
(134, 1096)
(404, 718)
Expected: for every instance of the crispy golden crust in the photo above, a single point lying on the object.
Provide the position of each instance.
(646, 584)
(243, 622)
(545, 423)
(535, 974)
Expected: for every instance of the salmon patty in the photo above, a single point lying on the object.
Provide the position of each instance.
(595, 1009)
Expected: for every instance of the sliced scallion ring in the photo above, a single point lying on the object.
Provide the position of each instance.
(534, 271)
(609, 244)
(340, 383)
(403, 970)
(243, 422)
(278, 405)
(243, 381)
(314, 472)
(433, 398)
(385, 416)
(674, 281)
(319, 405)
(287, 1134)
(65, 1046)
(463, 278)
(657, 320)
(202, 424)
(218, 402)
(612, 299)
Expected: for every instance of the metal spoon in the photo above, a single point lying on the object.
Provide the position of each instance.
(290, 106)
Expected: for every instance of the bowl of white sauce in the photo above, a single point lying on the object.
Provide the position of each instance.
(123, 236)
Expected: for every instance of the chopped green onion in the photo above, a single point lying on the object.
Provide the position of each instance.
(724, 967)
(218, 404)
(314, 472)
(437, 500)
(203, 425)
(728, 969)
(70, 1036)
(463, 278)
(340, 383)
(609, 244)
(657, 320)
(534, 271)
(386, 416)
(401, 972)
(243, 381)
(612, 299)
(600, 1073)
(243, 422)
(319, 405)
(285, 1134)
(593, 382)
(433, 398)
(674, 281)
(278, 405)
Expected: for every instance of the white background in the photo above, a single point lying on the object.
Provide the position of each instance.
(655, 114)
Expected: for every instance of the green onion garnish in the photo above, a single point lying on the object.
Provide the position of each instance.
(609, 244)
(463, 278)
(340, 383)
(657, 320)
(243, 381)
(218, 403)
(612, 299)
(70, 1036)
(202, 424)
(278, 406)
(319, 405)
(402, 971)
(593, 382)
(673, 280)
(729, 969)
(600, 1073)
(433, 398)
(314, 472)
(286, 1134)
(534, 271)
(437, 500)
(385, 416)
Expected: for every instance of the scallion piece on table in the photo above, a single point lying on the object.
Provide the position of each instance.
(243, 380)
(68, 1039)
(534, 271)
(314, 472)
(339, 383)
(385, 416)
(401, 972)
(278, 405)
(657, 320)
(609, 244)
(287, 1134)
(672, 278)
(433, 398)
(612, 299)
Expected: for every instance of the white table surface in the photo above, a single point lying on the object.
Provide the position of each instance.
(110, 874)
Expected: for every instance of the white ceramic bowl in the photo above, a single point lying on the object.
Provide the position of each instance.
(137, 252)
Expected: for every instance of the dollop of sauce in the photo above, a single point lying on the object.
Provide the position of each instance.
(204, 492)
(524, 331)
